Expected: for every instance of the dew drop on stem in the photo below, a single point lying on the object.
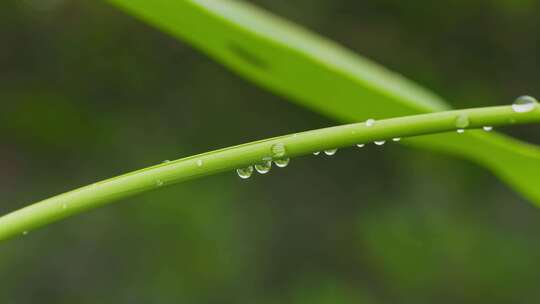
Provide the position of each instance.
(264, 167)
(462, 121)
(524, 104)
(278, 150)
(282, 162)
(330, 152)
(245, 173)
(380, 142)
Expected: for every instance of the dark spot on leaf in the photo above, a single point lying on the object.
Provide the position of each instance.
(248, 56)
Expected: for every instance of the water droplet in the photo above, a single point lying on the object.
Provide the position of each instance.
(460, 131)
(25, 232)
(524, 104)
(264, 167)
(159, 183)
(330, 152)
(165, 161)
(282, 162)
(396, 139)
(360, 145)
(278, 150)
(462, 121)
(380, 142)
(199, 162)
(370, 122)
(317, 153)
(245, 173)
(487, 128)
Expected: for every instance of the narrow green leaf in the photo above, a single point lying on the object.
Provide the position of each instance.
(261, 152)
(326, 78)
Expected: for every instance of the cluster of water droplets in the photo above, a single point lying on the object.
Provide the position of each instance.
(369, 123)
(279, 158)
(523, 104)
(462, 122)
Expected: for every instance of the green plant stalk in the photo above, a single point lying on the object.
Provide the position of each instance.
(110, 190)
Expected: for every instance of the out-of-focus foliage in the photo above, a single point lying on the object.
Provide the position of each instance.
(87, 93)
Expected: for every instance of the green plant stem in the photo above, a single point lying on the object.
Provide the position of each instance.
(228, 159)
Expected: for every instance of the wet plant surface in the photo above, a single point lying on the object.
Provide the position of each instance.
(89, 92)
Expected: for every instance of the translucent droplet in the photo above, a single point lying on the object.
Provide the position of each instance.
(370, 122)
(462, 121)
(524, 104)
(25, 232)
(360, 145)
(264, 167)
(282, 162)
(317, 153)
(199, 162)
(460, 131)
(159, 183)
(278, 150)
(245, 173)
(165, 161)
(396, 139)
(380, 142)
(330, 152)
(487, 128)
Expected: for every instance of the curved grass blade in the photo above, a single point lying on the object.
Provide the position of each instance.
(304, 143)
(321, 75)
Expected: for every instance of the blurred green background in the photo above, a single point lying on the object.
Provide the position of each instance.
(88, 92)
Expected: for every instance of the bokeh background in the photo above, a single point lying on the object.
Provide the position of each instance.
(88, 92)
